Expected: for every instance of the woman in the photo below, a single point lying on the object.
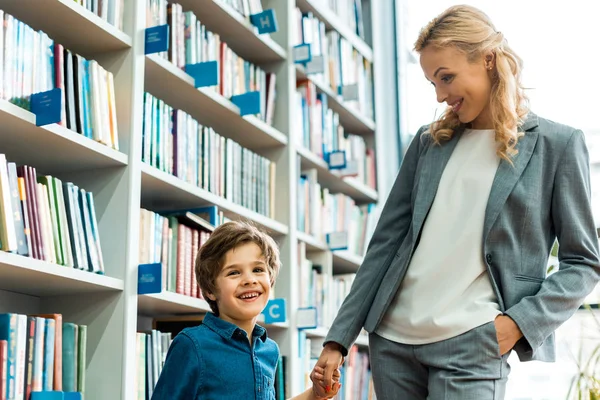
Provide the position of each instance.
(455, 275)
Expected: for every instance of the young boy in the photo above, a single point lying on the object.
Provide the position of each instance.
(228, 356)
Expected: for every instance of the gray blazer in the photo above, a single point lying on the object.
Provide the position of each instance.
(543, 196)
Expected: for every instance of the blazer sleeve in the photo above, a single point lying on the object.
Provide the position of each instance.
(180, 378)
(563, 292)
(391, 229)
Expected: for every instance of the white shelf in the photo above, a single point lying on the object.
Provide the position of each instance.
(352, 120)
(362, 341)
(162, 191)
(345, 262)
(40, 278)
(312, 243)
(69, 24)
(235, 30)
(333, 22)
(171, 84)
(321, 333)
(349, 186)
(52, 148)
(167, 303)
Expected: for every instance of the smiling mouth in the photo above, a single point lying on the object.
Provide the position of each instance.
(249, 296)
(456, 105)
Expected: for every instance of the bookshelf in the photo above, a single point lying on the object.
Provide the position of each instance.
(122, 183)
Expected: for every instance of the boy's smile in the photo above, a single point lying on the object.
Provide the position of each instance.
(243, 286)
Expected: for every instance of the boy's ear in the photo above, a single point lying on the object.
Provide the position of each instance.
(211, 296)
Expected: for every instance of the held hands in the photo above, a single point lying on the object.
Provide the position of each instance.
(317, 388)
(323, 376)
(507, 333)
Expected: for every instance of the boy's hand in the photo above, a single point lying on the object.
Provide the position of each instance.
(322, 376)
(320, 392)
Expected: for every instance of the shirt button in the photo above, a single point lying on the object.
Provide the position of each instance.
(488, 258)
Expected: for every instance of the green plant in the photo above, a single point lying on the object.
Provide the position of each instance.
(586, 384)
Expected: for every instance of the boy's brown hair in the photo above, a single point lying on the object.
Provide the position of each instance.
(228, 236)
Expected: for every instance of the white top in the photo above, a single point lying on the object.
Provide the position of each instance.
(446, 290)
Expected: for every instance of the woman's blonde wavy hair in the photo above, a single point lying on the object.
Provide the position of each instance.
(470, 31)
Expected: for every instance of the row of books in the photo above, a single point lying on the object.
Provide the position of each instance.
(313, 284)
(343, 68)
(319, 289)
(109, 10)
(44, 218)
(321, 212)
(350, 12)
(151, 353)
(190, 43)
(320, 131)
(173, 240)
(40, 353)
(176, 143)
(31, 62)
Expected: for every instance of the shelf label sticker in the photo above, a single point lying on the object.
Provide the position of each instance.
(337, 159)
(302, 53)
(47, 107)
(306, 318)
(337, 240)
(157, 39)
(149, 278)
(266, 21)
(204, 73)
(274, 311)
(248, 103)
(350, 92)
(316, 65)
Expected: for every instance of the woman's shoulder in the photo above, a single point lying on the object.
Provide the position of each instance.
(552, 131)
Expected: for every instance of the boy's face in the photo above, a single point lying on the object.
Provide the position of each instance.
(243, 286)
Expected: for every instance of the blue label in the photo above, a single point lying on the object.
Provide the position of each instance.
(266, 21)
(337, 159)
(47, 396)
(337, 240)
(204, 73)
(47, 107)
(275, 311)
(302, 53)
(149, 278)
(157, 39)
(73, 396)
(307, 318)
(248, 103)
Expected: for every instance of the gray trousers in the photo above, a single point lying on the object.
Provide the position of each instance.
(465, 367)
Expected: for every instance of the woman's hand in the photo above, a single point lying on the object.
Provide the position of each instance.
(322, 375)
(507, 333)
(335, 387)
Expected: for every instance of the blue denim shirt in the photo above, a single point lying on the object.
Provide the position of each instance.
(214, 361)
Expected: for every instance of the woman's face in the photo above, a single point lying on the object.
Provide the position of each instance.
(465, 86)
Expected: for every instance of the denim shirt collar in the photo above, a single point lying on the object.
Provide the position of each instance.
(227, 330)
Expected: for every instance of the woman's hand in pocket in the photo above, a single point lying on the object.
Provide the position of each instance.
(507, 333)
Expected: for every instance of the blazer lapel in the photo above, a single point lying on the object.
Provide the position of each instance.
(507, 175)
(433, 166)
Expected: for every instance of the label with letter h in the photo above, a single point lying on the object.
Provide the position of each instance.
(266, 21)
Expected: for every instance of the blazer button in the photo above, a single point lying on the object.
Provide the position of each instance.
(488, 258)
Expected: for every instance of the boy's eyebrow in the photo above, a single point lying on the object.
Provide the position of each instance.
(257, 262)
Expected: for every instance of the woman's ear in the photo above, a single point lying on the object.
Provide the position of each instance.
(489, 60)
